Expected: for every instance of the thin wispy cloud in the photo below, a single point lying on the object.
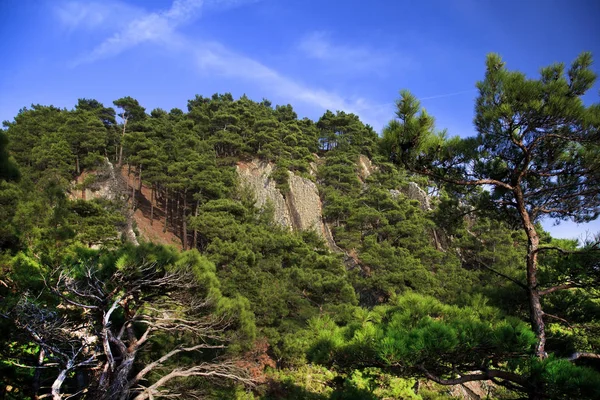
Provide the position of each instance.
(439, 96)
(213, 58)
(149, 27)
(347, 58)
(94, 15)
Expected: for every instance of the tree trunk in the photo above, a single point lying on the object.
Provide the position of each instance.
(35, 387)
(58, 383)
(195, 230)
(118, 387)
(166, 210)
(176, 213)
(133, 193)
(140, 180)
(77, 164)
(121, 144)
(184, 221)
(535, 305)
(152, 206)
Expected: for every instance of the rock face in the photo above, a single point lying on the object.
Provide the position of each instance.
(300, 209)
(105, 185)
(108, 185)
(414, 192)
(256, 176)
(365, 167)
(304, 204)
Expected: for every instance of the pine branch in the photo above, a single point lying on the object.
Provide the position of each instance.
(577, 356)
(559, 319)
(564, 286)
(488, 374)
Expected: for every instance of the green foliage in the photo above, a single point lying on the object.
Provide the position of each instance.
(8, 169)
(561, 379)
(414, 334)
(316, 382)
(418, 331)
(281, 177)
(346, 133)
(438, 289)
(286, 279)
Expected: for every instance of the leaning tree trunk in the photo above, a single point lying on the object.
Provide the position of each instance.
(120, 383)
(35, 387)
(535, 305)
(56, 385)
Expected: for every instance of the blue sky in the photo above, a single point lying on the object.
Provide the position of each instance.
(351, 55)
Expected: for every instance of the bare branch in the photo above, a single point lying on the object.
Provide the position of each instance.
(165, 302)
(564, 286)
(516, 282)
(558, 319)
(482, 376)
(167, 356)
(224, 370)
(577, 356)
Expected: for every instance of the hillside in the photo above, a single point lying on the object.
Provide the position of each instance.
(234, 250)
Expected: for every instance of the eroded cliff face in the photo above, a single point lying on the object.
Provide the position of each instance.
(365, 167)
(103, 184)
(256, 175)
(304, 204)
(106, 184)
(300, 209)
(414, 192)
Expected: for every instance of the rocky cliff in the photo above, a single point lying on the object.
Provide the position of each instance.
(106, 183)
(256, 175)
(365, 168)
(300, 208)
(414, 192)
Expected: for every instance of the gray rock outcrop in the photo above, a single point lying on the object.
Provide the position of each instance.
(304, 204)
(108, 184)
(300, 209)
(256, 175)
(414, 192)
(365, 167)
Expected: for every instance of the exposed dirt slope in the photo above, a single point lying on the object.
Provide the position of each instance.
(150, 230)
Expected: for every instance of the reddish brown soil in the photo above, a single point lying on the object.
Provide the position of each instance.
(151, 231)
(80, 194)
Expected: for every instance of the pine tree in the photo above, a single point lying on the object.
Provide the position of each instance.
(537, 150)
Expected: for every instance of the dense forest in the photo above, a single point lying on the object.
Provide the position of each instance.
(137, 263)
